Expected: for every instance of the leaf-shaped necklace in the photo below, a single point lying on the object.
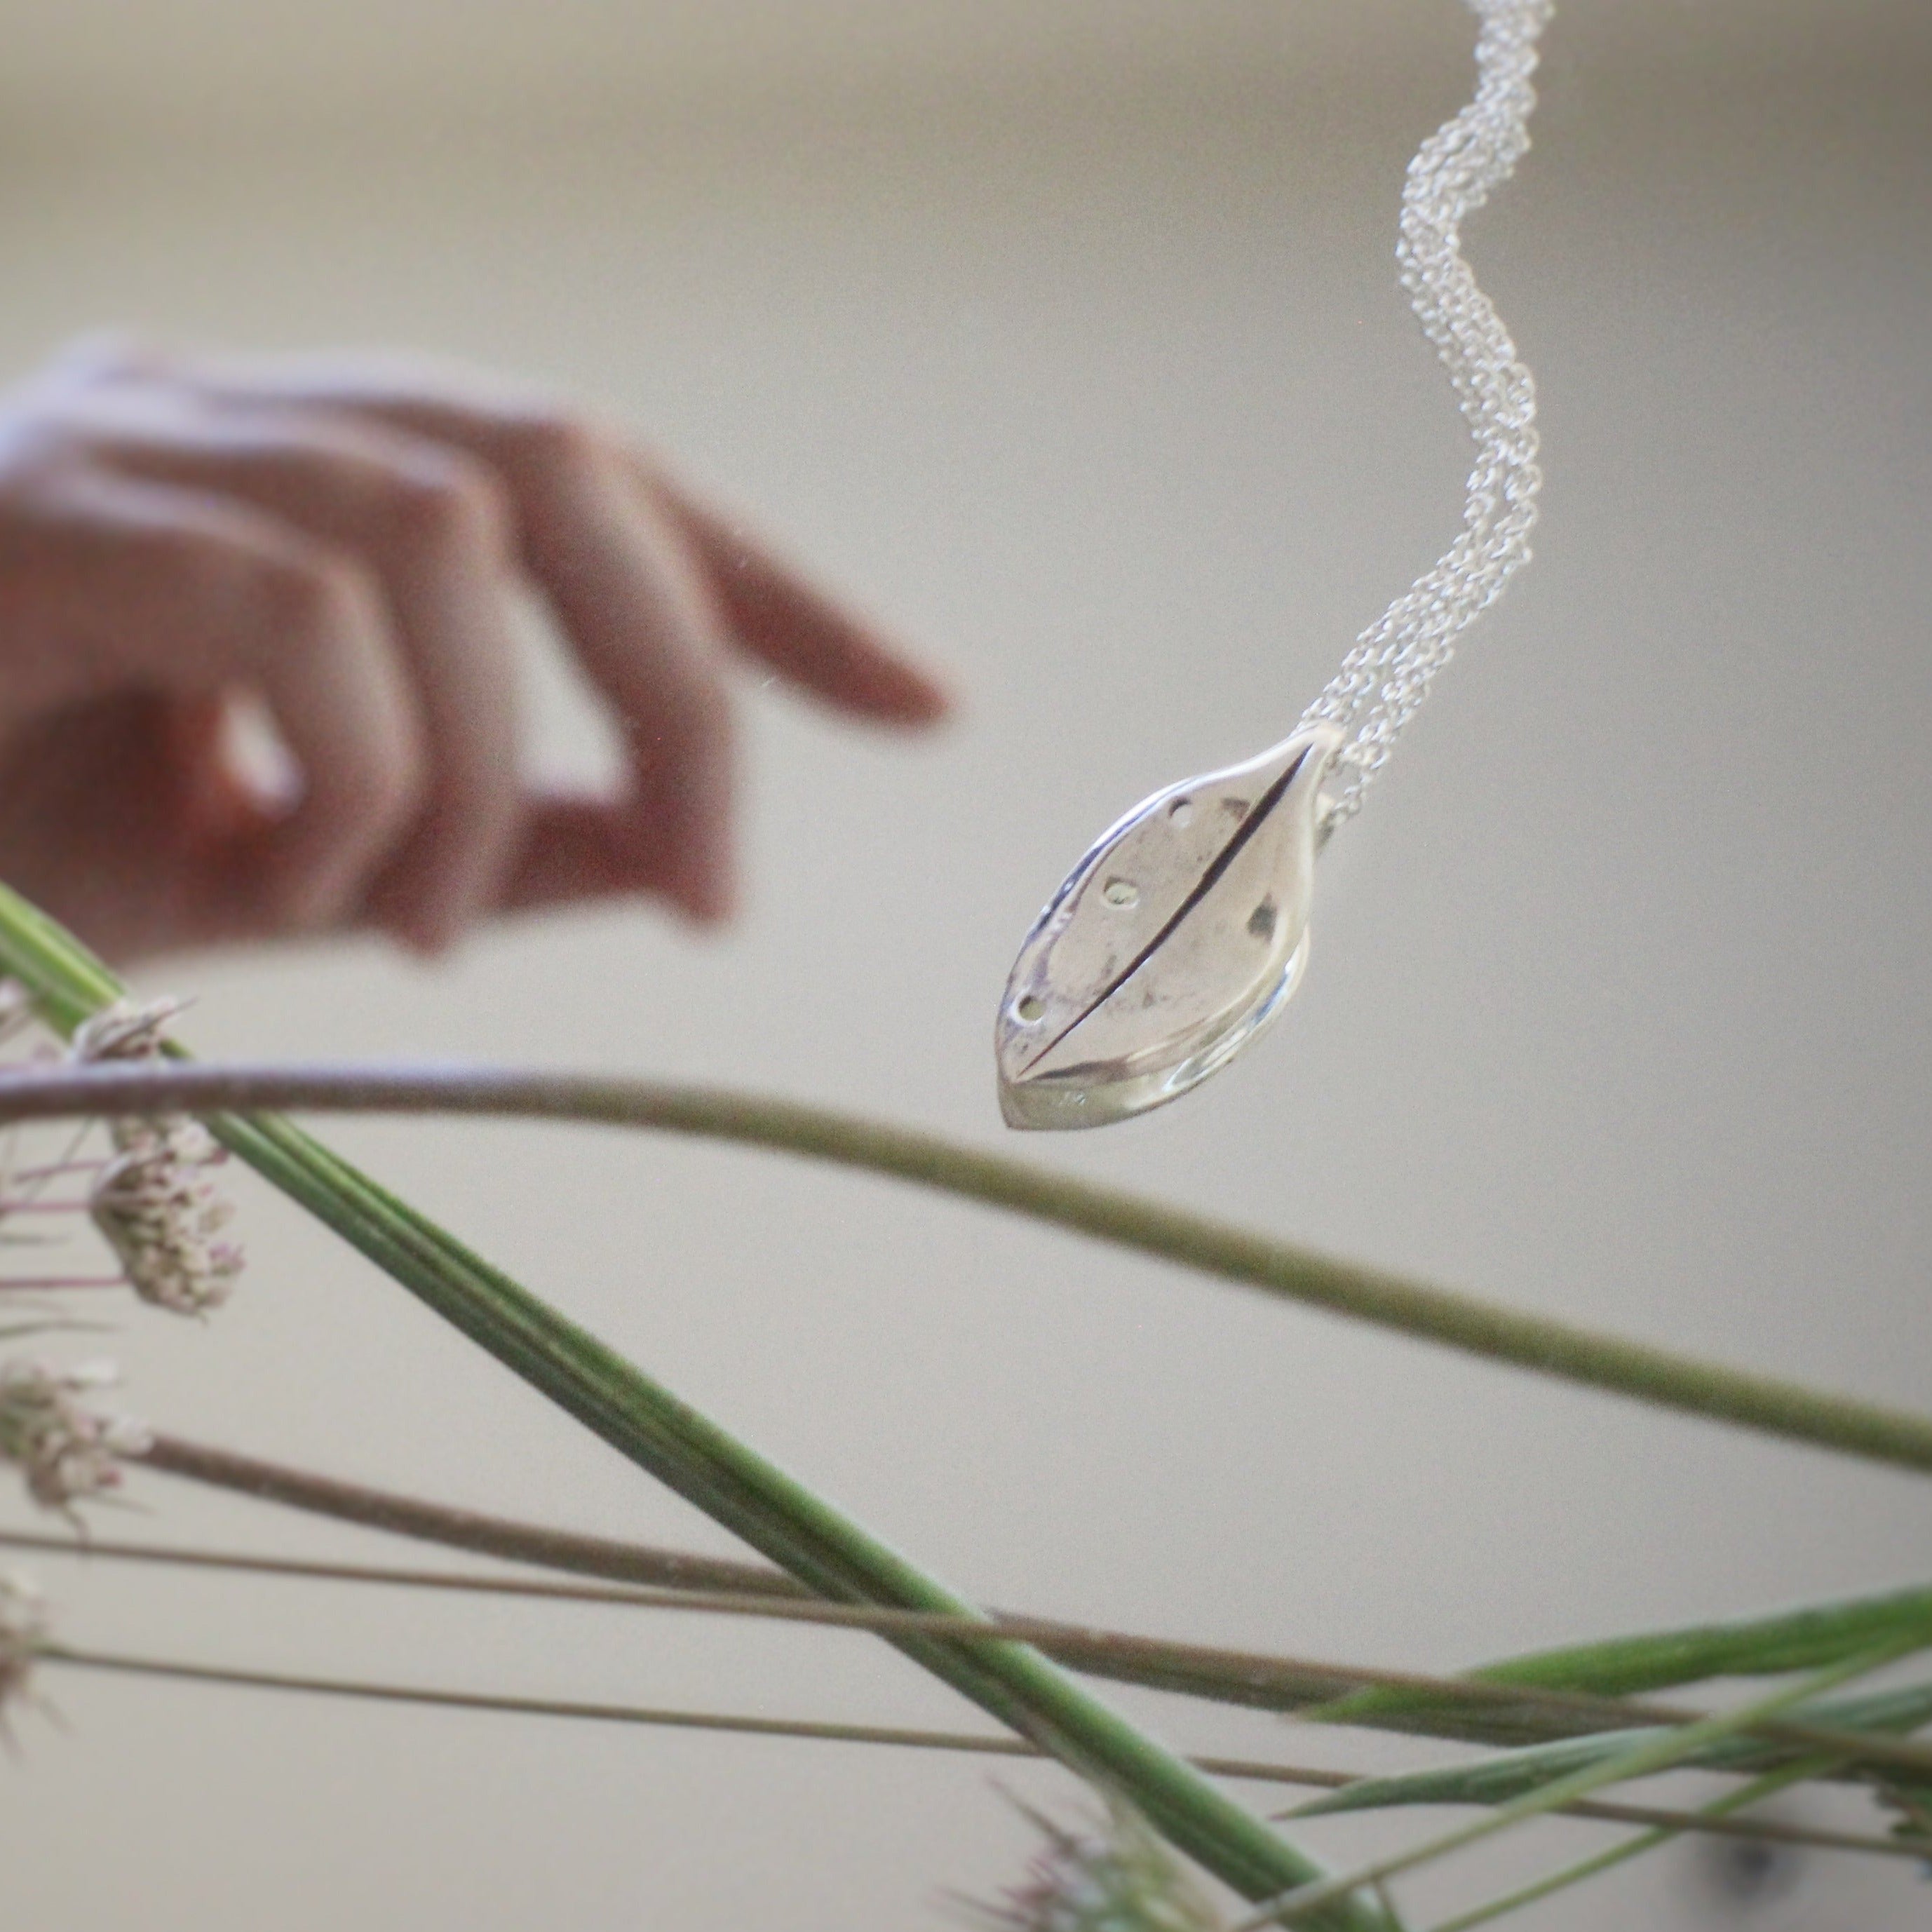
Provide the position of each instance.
(1184, 929)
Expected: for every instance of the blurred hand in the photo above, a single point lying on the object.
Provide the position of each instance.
(343, 540)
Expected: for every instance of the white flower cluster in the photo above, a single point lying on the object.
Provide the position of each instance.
(153, 1202)
(1120, 1879)
(67, 1451)
(23, 1630)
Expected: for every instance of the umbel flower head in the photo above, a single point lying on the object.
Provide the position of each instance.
(23, 1630)
(153, 1202)
(1117, 1878)
(67, 1451)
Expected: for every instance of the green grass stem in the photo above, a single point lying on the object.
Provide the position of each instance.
(1509, 1774)
(1637, 1370)
(1755, 1793)
(1805, 1637)
(788, 1523)
(1641, 1758)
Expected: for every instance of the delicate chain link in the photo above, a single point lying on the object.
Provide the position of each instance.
(1385, 676)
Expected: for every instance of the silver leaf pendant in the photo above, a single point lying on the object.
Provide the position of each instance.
(1173, 942)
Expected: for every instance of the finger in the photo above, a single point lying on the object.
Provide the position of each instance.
(100, 824)
(763, 605)
(637, 608)
(577, 850)
(779, 618)
(432, 523)
(648, 606)
(189, 594)
(648, 635)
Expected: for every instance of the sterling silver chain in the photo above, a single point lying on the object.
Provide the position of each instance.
(1180, 934)
(1384, 678)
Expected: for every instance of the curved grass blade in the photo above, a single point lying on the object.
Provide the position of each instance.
(1636, 1370)
(1509, 1775)
(799, 1531)
(1745, 1796)
(1642, 1757)
(1806, 1637)
(1501, 1714)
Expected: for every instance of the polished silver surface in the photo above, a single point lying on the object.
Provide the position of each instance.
(1179, 935)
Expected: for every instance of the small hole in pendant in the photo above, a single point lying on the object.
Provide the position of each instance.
(1120, 892)
(1029, 1006)
(1181, 811)
(1260, 921)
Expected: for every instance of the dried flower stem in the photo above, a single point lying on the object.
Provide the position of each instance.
(1636, 1369)
(845, 1616)
(1492, 1707)
(23, 1628)
(1776, 1830)
(47, 1170)
(484, 1535)
(43, 1283)
(786, 1522)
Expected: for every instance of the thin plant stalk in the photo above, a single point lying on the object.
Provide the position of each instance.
(1769, 1644)
(1307, 1903)
(1717, 1811)
(1639, 1370)
(573, 1552)
(1769, 1831)
(1071, 1643)
(1582, 1680)
(788, 1523)
(1493, 1711)
(46, 1283)
(1843, 1726)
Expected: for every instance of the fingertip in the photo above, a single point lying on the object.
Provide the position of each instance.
(430, 936)
(718, 905)
(429, 911)
(811, 639)
(926, 702)
(703, 822)
(703, 913)
(879, 682)
(704, 886)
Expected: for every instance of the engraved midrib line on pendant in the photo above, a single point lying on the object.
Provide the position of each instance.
(1216, 869)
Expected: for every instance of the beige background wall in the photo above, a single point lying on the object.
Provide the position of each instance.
(1068, 337)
